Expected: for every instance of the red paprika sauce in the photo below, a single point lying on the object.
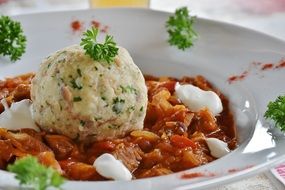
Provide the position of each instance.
(173, 138)
(76, 26)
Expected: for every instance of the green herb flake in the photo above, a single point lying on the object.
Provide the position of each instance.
(61, 60)
(31, 173)
(82, 123)
(180, 29)
(128, 89)
(79, 72)
(141, 109)
(77, 99)
(61, 79)
(97, 118)
(75, 84)
(131, 109)
(114, 126)
(276, 112)
(118, 105)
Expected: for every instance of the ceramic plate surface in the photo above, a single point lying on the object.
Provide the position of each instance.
(244, 64)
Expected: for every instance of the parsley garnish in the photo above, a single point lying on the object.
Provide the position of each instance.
(97, 51)
(31, 173)
(12, 38)
(180, 29)
(276, 112)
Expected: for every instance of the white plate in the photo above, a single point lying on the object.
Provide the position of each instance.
(222, 50)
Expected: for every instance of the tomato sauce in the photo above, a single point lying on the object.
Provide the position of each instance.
(173, 138)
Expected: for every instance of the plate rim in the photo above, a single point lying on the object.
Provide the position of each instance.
(255, 169)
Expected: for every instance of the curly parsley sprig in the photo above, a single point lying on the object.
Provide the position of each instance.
(12, 38)
(276, 112)
(31, 173)
(106, 51)
(180, 29)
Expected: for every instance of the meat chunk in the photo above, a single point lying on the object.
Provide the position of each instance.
(18, 145)
(28, 144)
(22, 91)
(7, 151)
(62, 146)
(130, 155)
(157, 170)
(79, 171)
(48, 159)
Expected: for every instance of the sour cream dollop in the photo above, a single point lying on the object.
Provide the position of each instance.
(197, 99)
(217, 147)
(18, 116)
(108, 166)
